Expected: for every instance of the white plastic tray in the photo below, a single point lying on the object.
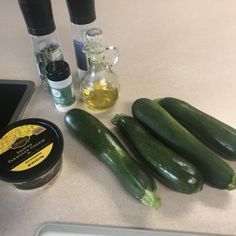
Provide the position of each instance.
(63, 229)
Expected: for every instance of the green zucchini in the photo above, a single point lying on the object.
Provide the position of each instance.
(215, 171)
(215, 134)
(105, 146)
(166, 165)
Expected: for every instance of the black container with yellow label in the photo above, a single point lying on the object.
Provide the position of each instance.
(30, 153)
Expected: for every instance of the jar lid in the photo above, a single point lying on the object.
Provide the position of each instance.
(29, 149)
(57, 70)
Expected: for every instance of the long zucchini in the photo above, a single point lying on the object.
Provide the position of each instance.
(105, 146)
(217, 135)
(167, 166)
(215, 171)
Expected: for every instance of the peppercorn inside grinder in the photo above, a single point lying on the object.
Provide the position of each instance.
(99, 88)
(40, 24)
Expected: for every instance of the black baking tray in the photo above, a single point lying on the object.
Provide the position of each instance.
(14, 98)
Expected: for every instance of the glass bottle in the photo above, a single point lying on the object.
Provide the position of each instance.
(40, 24)
(99, 87)
(82, 17)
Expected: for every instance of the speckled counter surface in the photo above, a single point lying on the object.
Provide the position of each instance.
(185, 49)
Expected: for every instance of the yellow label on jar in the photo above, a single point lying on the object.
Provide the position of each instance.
(34, 160)
(18, 137)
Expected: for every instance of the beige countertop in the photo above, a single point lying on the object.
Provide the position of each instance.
(179, 48)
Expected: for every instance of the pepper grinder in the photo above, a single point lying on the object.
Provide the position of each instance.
(82, 17)
(40, 24)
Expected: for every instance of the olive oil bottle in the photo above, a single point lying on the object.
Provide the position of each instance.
(99, 87)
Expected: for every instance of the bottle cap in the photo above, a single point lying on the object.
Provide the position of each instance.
(57, 70)
(81, 11)
(94, 42)
(38, 16)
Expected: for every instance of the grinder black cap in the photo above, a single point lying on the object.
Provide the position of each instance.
(81, 11)
(38, 16)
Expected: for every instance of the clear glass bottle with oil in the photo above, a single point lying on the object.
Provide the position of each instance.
(99, 88)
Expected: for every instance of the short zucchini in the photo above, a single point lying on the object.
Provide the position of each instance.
(105, 146)
(215, 171)
(166, 165)
(217, 135)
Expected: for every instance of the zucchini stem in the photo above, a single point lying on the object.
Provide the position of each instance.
(151, 199)
(116, 118)
(232, 185)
